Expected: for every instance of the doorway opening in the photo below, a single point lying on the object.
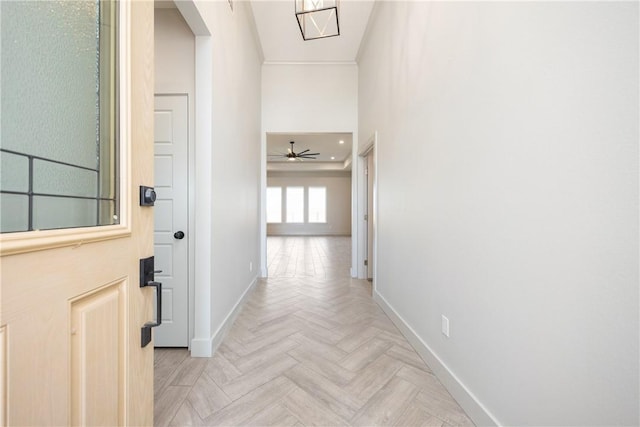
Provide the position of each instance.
(173, 171)
(306, 196)
(183, 66)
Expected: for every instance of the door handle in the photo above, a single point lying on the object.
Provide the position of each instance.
(146, 328)
(179, 235)
(147, 279)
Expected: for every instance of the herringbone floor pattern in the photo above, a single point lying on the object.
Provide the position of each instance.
(310, 347)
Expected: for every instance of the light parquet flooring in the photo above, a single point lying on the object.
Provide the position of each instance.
(309, 348)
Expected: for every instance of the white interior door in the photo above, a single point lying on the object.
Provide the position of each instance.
(171, 235)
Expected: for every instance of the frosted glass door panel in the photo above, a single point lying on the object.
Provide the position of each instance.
(107, 207)
(14, 211)
(56, 212)
(14, 172)
(58, 144)
(61, 179)
(49, 71)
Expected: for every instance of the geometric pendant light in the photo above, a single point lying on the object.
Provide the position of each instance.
(318, 19)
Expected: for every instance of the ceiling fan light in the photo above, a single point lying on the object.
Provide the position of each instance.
(317, 19)
(304, 154)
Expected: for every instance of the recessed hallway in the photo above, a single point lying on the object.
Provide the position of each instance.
(309, 347)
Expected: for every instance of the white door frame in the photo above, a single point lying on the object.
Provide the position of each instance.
(369, 147)
(200, 185)
(263, 204)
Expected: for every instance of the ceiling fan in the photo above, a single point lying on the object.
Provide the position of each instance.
(292, 155)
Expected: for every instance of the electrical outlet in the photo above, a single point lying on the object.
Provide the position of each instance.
(250, 266)
(445, 326)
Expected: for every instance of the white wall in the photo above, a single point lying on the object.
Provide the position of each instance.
(508, 199)
(338, 185)
(298, 98)
(309, 98)
(228, 92)
(174, 54)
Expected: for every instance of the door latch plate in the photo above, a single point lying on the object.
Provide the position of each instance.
(147, 273)
(147, 196)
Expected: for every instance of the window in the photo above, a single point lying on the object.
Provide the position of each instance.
(58, 159)
(295, 204)
(318, 204)
(274, 204)
(299, 208)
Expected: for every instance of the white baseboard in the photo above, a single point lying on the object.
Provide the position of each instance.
(201, 347)
(310, 234)
(208, 347)
(478, 413)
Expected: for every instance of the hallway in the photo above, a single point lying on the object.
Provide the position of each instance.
(310, 347)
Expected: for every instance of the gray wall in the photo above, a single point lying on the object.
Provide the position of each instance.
(338, 186)
(508, 198)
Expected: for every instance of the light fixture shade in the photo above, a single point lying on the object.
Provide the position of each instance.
(318, 19)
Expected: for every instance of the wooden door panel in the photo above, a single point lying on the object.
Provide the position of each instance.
(3, 376)
(40, 319)
(140, 301)
(71, 307)
(98, 344)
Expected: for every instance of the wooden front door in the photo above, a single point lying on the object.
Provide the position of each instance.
(72, 307)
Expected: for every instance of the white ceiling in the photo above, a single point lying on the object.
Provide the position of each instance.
(282, 42)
